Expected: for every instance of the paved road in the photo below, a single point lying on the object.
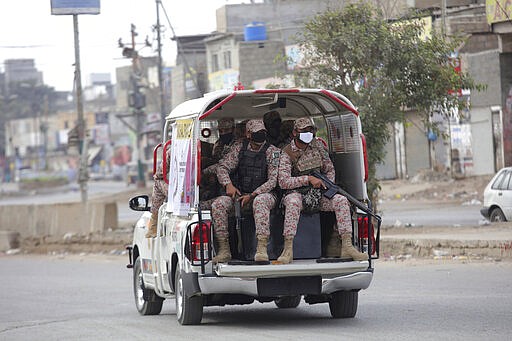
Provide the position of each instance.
(75, 298)
(429, 213)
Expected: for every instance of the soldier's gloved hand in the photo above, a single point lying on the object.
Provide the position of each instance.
(231, 190)
(245, 199)
(316, 182)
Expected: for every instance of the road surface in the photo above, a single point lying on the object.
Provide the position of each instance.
(90, 298)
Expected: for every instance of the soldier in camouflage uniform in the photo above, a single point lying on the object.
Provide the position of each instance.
(303, 191)
(256, 163)
(272, 121)
(158, 197)
(226, 128)
(209, 187)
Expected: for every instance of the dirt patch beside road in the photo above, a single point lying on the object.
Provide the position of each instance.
(433, 186)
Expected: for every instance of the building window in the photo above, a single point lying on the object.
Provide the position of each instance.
(215, 63)
(227, 59)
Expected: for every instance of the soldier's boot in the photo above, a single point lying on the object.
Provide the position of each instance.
(223, 253)
(334, 245)
(261, 249)
(287, 254)
(348, 250)
(152, 225)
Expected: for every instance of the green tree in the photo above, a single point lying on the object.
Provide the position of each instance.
(385, 68)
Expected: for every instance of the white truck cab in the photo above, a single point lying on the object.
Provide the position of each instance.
(177, 263)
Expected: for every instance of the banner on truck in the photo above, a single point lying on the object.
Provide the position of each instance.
(181, 167)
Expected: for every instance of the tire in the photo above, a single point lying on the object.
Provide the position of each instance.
(343, 304)
(288, 302)
(146, 300)
(189, 310)
(497, 215)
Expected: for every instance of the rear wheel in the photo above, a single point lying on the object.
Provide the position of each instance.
(343, 304)
(189, 310)
(288, 302)
(146, 300)
(497, 215)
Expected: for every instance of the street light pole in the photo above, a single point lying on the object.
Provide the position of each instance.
(141, 181)
(82, 136)
(163, 112)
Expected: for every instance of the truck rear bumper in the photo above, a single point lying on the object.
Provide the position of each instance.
(248, 286)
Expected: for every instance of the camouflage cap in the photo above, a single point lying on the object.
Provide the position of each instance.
(303, 122)
(254, 126)
(226, 123)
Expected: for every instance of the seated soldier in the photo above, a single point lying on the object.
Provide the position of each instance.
(303, 191)
(272, 121)
(209, 188)
(158, 196)
(255, 163)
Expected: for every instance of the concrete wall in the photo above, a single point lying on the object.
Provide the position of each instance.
(484, 67)
(387, 169)
(481, 144)
(58, 219)
(416, 146)
(506, 104)
(257, 60)
(284, 17)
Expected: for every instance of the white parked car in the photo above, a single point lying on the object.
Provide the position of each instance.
(498, 197)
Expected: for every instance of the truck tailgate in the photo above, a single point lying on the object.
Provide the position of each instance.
(297, 268)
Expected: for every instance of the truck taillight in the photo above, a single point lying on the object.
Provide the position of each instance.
(200, 241)
(362, 223)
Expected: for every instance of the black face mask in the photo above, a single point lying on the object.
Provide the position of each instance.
(226, 138)
(259, 136)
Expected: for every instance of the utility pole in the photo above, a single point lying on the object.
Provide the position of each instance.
(137, 97)
(75, 8)
(137, 101)
(163, 110)
(82, 136)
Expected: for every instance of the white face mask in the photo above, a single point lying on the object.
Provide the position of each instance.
(306, 137)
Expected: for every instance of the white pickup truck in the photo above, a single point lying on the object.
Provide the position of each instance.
(178, 262)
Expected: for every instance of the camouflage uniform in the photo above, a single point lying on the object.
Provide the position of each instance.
(220, 149)
(159, 195)
(313, 157)
(263, 200)
(209, 187)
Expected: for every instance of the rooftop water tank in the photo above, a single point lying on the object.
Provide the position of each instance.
(255, 31)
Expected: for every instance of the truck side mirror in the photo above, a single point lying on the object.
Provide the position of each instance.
(140, 203)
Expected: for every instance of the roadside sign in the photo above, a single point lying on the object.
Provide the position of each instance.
(64, 7)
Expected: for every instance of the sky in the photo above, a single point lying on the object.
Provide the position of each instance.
(29, 30)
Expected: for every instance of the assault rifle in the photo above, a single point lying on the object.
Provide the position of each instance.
(238, 226)
(333, 189)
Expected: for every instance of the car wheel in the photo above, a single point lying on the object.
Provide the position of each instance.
(146, 300)
(497, 215)
(288, 302)
(343, 304)
(189, 310)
